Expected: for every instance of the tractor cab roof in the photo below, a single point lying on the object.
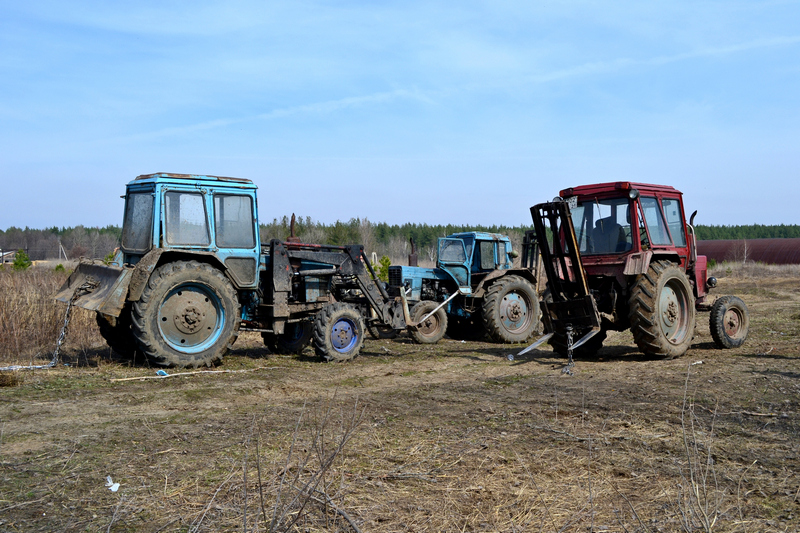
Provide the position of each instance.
(616, 188)
(479, 236)
(194, 179)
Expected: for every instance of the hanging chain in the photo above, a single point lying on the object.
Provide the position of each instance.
(568, 369)
(85, 288)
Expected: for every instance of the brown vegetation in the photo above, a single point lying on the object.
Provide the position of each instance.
(449, 437)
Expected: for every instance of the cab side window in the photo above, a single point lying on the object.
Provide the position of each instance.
(233, 221)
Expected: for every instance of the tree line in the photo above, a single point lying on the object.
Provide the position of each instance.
(391, 240)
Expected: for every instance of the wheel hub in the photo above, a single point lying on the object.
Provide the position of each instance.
(732, 323)
(513, 311)
(190, 319)
(430, 325)
(342, 335)
(671, 313)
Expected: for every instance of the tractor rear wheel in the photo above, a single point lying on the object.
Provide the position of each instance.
(511, 310)
(188, 315)
(662, 312)
(729, 322)
(294, 339)
(116, 331)
(338, 332)
(433, 328)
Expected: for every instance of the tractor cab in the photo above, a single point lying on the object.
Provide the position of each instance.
(207, 215)
(625, 218)
(468, 257)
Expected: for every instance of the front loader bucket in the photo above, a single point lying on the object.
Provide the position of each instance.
(110, 294)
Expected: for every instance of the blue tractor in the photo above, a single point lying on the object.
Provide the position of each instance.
(474, 291)
(192, 273)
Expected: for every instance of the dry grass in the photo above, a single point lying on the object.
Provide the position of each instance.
(30, 320)
(454, 437)
(751, 270)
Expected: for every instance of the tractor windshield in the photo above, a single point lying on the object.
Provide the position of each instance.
(137, 227)
(603, 226)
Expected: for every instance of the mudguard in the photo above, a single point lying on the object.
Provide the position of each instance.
(109, 296)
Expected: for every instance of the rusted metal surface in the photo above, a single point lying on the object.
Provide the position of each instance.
(292, 237)
(111, 287)
(770, 251)
(412, 257)
(142, 271)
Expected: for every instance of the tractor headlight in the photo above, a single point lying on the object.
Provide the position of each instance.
(633, 194)
(712, 282)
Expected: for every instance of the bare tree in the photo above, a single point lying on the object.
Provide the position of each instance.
(366, 235)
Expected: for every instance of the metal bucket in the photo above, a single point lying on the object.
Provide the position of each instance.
(111, 287)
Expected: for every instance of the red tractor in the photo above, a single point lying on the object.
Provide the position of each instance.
(621, 255)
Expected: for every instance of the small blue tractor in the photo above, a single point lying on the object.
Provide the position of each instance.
(474, 290)
(192, 273)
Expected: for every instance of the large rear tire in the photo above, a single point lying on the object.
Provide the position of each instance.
(116, 331)
(188, 315)
(662, 312)
(729, 322)
(338, 332)
(432, 330)
(511, 310)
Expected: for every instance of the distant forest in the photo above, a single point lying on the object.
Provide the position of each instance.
(391, 240)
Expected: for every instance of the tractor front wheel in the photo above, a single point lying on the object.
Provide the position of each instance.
(511, 310)
(338, 332)
(116, 331)
(188, 315)
(729, 322)
(662, 312)
(433, 328)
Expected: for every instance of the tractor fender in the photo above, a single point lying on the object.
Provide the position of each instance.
(639, 263)
(480, 290)
(155, 258)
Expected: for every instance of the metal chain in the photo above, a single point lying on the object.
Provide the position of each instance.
(568, 369)
(85, 288)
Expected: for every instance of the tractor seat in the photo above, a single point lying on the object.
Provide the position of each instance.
(608, 237)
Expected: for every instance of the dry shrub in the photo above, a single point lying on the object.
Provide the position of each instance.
(752, 270)
(30, 319)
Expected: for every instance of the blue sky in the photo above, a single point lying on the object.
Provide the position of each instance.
(441, 112)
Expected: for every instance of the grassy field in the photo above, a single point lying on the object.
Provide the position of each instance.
(450, 437)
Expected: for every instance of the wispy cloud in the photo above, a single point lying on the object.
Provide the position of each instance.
(317, 108)
(601, 67)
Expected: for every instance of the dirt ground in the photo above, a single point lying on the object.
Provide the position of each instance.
(450, 437)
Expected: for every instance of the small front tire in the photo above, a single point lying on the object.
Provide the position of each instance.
(433, 329)
(729, 322)
(116, 331)
(296, 336)
(338, 332)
